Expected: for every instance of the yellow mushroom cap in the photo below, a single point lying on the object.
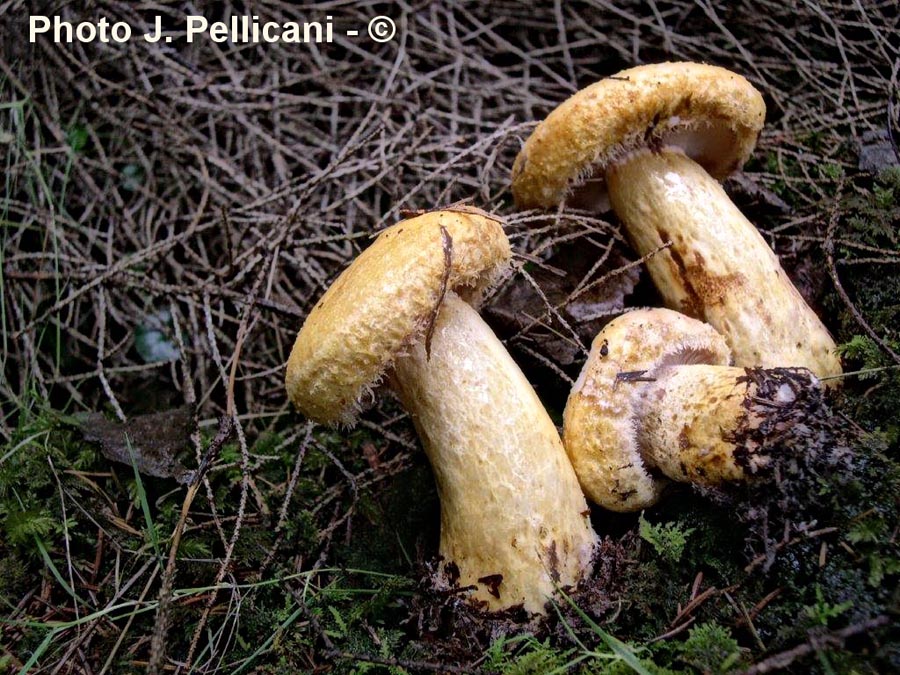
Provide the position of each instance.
(600, 424)
(712, 114)
(385, 301)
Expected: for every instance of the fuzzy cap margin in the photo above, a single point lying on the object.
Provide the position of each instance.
(600, 426)
(712, 114)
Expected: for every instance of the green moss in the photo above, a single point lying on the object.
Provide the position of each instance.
(711, 648)
(622, 668)
(822, 612)
(667, 539)
(32, 475)
(393, 525)
(527, 656)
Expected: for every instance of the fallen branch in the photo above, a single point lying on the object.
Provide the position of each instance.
(816, 644)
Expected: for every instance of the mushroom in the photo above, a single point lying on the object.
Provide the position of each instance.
(657, 399)
(654, 141)
(514, 523)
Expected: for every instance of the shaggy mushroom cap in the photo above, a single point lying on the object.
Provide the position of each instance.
(657, 399)
(713, 115)
(386, 300)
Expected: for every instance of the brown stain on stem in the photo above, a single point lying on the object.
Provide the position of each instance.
(702, 288)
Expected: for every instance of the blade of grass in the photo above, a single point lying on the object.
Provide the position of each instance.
(55, 572)
(38, 653)
(619, 648)
(99, 614)
(45, 555)
(142, 498)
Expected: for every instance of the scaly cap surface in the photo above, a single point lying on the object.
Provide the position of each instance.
(714, 115)
(384, 301)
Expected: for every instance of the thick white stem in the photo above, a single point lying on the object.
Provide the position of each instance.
(719, 268)
(514, 521)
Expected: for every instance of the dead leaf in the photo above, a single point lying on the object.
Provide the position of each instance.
(587, 312)
(155, 440)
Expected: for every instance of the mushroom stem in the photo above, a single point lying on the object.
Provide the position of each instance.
(710, 424)
(657, 398)
(718, 268)
(514, 522)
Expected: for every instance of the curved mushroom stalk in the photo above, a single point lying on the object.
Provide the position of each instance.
(719, 268)
(652, 142)
(513, 519)
(657, 399)
(709, 425)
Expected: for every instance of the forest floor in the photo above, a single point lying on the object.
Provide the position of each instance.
(170, 214)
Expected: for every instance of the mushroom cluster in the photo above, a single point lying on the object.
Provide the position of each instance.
(514, 522)
(658, 397)
(663, 395)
